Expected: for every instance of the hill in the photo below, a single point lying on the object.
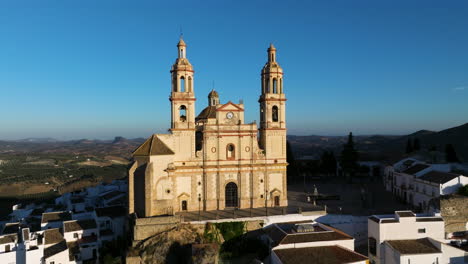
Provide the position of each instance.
(120, 146)
(384, 147)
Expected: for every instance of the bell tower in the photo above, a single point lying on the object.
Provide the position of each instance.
(272, 109)
(183, 101)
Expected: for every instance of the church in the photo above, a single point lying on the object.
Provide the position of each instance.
(213, 160)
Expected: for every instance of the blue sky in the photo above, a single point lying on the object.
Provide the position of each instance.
(99, 69)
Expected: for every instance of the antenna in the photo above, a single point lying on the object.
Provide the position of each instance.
(213, 85)
(181, 32)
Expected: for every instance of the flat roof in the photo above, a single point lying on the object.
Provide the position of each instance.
(318, 255)
(414, 246)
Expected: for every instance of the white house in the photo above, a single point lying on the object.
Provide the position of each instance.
(8, 248)
(307, 242)
(402, 226)
(433, 184)
(416, 183)
(111, 222)
(55, 247)
(84, 235)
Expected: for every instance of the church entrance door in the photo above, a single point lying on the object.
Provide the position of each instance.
(231, 195)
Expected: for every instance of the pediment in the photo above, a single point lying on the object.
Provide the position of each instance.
(230, 106)
(275, 191)
(183, 195)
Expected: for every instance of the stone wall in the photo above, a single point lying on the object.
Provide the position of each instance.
(146, 227)
(454, 210)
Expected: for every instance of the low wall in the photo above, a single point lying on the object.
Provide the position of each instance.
(150, 226)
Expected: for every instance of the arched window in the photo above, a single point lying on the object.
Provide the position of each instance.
(274, 114)
(189, 84)
(181, 53)
(267, 85)
(182, 84)
(183, 113)
(230, 152)
(275, 85)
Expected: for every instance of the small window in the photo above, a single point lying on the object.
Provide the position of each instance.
(422, 230)
(230, 152)
(184, 205)
(267, 85)
(275, 86)
(7, 248)
(75, 235)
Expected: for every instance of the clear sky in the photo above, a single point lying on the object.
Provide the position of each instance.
(99, 69)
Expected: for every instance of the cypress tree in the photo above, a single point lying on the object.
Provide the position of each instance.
(450, 154)
(349, 157)
(409, 146)
(416, 144)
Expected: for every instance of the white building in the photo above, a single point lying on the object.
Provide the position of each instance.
(433, 184)
(417, 183)
(8, 248)
(310, 242)
(84, 236)
(111, 222)
(388, 235)
(55, 247)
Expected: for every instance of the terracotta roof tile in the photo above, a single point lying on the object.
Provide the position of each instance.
(413, 246)
(416, 168)
(438, 177)
(153, 146)
(318, 255)
(55, 216)
(79, 225)
(52, 236)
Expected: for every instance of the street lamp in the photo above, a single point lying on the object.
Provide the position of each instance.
(199, 201)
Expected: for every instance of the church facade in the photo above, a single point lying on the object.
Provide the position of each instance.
(213, 160)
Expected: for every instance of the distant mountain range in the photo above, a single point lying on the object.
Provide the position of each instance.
(374, 147)
(119, 146)
(381, 147)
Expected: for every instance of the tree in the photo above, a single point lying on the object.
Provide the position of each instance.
(450, 154)
(409, 146)
(416, 144)
(349, 157)
(463, 190)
